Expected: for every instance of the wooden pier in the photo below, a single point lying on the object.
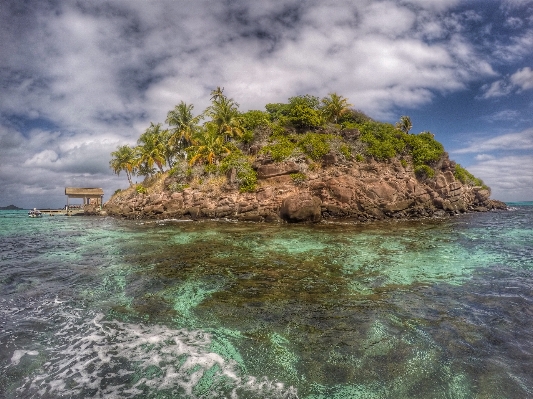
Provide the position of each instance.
(91, 197)
(62, 212)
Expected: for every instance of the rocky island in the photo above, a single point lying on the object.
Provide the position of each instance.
(305, 161)
(10, 208)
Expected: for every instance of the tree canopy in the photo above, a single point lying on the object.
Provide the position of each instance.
(221, 137)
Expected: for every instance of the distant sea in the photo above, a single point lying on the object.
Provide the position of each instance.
(94, 307)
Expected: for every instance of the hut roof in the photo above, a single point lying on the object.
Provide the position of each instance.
(84, 192)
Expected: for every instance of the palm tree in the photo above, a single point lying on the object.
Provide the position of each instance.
(208, 146)
(217, 93)
(152, 147)
(224, 113)
(404, 124)
(185, 126)
(124, 159)
(335, 106)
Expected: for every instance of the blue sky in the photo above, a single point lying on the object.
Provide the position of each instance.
(80, 78)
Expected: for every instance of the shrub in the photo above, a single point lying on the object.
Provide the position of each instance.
(424, 171)
(424, 149)
(210, 169)
(117, 191)
(313, 166)
(302, 112)
(277, 111)
(281, 148)
(359, 158)
(354, 117)
(180, 170)
(315, 145)
(246, 175)
(298, 178)
(465, 177)
(303, 117)
(253, 119)
(383, 140)
(177, 187)
(346, 151)
(140, 189)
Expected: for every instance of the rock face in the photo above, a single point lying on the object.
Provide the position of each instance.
(359, 191)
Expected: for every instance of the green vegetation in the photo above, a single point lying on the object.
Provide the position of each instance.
(245, 174)
(140, 189)
(281, 147)
(315, 145)
(298, 178)
(424, 172)
(345, 150)
(124, 159)
(404, 124)
(383, 140)
(218, 142)
(465, 177)
(334, 107)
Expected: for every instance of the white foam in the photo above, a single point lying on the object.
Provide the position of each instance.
(17, 355)
(122, 360)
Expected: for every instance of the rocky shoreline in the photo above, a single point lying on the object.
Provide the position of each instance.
(358, 191)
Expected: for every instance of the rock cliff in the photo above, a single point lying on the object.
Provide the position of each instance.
(361, 191)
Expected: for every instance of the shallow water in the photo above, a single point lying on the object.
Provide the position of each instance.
(99, 307)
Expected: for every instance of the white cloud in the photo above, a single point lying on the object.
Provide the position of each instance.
(484, 157)
(519, 81)
(509, 177)
(514, 22)
(511, 141)
(514, 48)
(498, 88)
(504, 115)
(523, 78)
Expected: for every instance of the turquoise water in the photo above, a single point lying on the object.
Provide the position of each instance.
(99, 307)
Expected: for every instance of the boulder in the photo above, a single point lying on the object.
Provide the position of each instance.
(398, 206)
(301, 208)
(350, 134)
(330, 159)
(224, 211)
(277, 169)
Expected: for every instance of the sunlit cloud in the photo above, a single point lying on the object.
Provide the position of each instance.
(519, 81)
(506, 142)
(510, 177)
(523, 78)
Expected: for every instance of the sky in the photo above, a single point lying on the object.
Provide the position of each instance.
(80, 78)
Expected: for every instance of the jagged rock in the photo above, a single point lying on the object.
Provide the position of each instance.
(358, 190)
(155, 209)
(398, 206)
(224, 211)
(264, 194)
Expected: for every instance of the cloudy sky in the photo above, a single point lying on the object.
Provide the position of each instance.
(79, 78)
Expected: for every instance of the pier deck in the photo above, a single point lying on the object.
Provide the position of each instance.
(55, 212)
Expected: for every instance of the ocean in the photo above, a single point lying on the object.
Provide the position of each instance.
(96, 307)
